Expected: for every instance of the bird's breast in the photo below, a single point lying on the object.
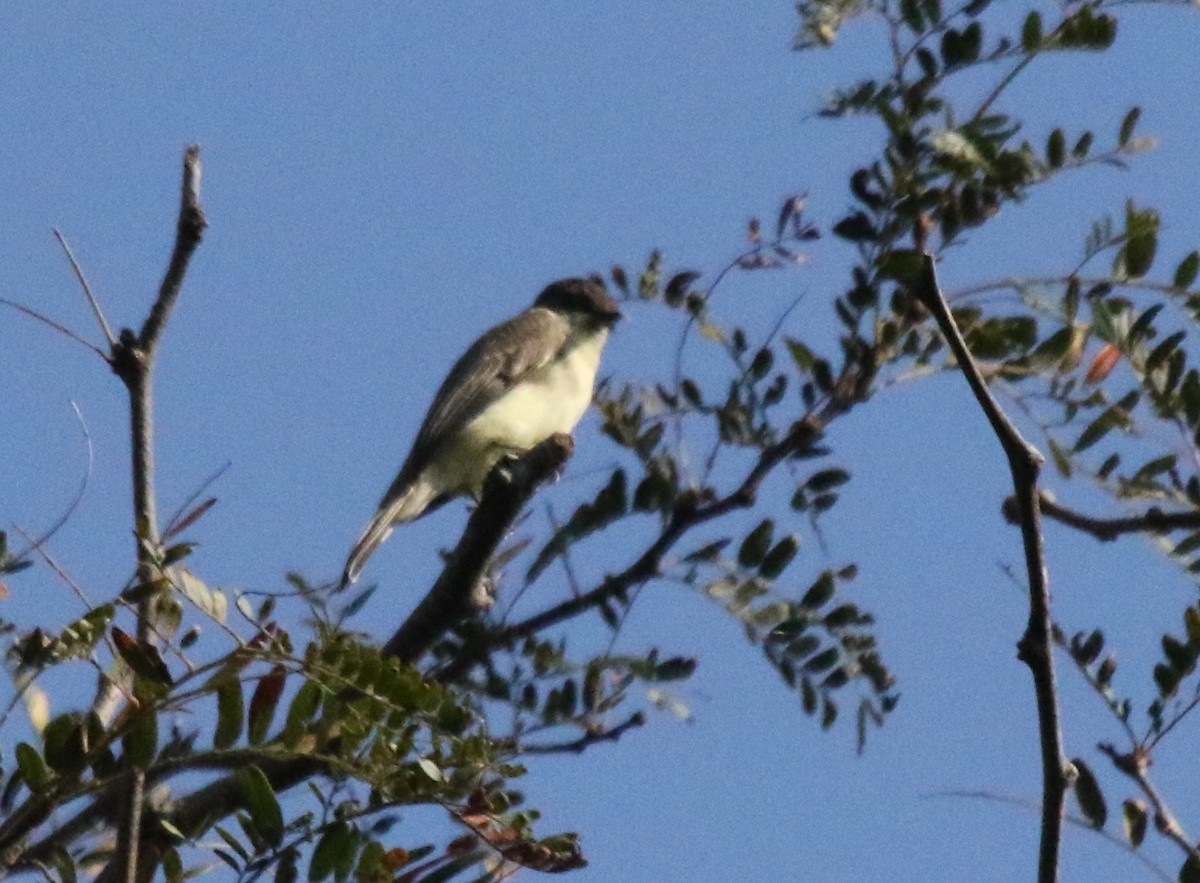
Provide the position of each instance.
(547, 400)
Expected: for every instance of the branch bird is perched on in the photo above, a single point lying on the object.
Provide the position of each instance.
(518, 384)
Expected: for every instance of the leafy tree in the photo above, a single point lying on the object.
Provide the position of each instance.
(725, 467)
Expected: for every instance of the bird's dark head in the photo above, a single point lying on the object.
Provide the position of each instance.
(585, 298)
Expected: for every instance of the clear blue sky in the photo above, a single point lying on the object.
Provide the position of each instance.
(385, 181)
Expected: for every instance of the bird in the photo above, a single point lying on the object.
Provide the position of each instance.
(521, 382)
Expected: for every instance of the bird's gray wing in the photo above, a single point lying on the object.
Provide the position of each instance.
(496, 362)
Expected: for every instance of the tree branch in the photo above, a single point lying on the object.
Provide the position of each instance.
(588, 739)
(1034, 648)
(453, 597)
(506, 491)
(1153, 520)
(133, 362)
(686, 515)
(1134, 765)
(87, 289)
(188, 232)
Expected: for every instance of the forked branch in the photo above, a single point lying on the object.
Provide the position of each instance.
(1034, 648)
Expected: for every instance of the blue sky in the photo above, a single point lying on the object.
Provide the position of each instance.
(383, 183)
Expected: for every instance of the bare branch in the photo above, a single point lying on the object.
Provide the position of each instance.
(133, 361)
(1034, 648)
(188, 232)
(87, 289)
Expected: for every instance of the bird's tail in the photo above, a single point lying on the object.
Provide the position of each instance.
(398, 506)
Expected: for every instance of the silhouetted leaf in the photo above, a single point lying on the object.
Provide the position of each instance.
(756, 543)
(1128, 124)
(1031, 32)
(1088, 794)
(1185, 273)
(819, 592)
(1056, 149)
(1133, 813)
(779, 557)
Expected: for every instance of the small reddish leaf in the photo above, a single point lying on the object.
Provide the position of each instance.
(262, 704)
(142, 657)
(1102, 364)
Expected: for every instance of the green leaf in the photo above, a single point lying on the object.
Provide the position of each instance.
(1031, 32)
(33, 769)
(780, 556)
(1003, 336)
(1128, 125)
(1166, 679)
(335, 849)
(1133, 817)
(826, 480)
(65, 744)
(756, 544)
(1112, 417)
(229, 714)
(140, 739)
(1083, 145)
(1180, 656)
(910, 13)
(819, 592)
(1056, 149)
(304, 706)
(1136, 256)
(259, 800)
(677, 668)
(824, 660)
(902, 264)
(1088, 794)
(1185, 273)
(856, 228)
(173, 866)
(1143, 326)
(1190, 872)
(1191, 621)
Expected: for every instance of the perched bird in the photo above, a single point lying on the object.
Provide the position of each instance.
(521, 382)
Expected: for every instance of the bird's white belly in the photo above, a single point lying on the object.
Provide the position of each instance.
(549, 400)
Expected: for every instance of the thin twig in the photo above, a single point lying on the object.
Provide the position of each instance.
(87, 289)
(172, 526)
(1134, 765)
(78, 498)
(588, 739)
(57, 326)
(1034, 648)
(1033, 806)
(133, 362)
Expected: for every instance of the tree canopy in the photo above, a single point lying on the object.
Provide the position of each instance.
(273, 733)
